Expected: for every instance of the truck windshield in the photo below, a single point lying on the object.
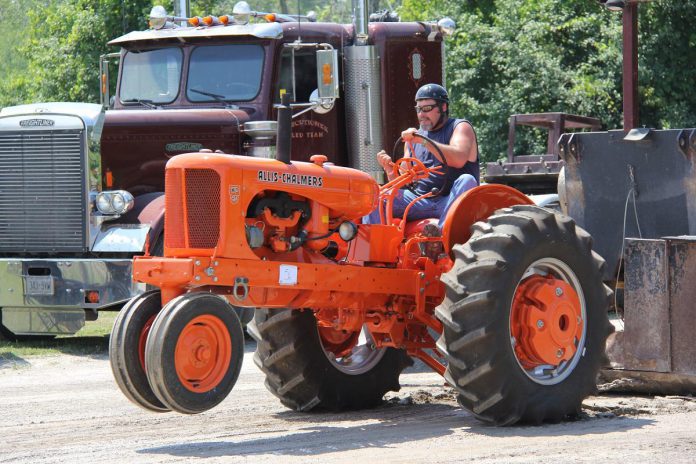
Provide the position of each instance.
(152, 76)
(225, 73)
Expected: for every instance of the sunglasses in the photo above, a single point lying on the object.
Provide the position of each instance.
(425, 108)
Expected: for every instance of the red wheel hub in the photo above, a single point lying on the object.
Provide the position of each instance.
(338, 342)
(545, 321)
(203, 353)
(143, 339)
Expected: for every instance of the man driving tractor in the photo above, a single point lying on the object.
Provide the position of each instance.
(452, 138)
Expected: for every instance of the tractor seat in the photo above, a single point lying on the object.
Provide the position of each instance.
(427, 227)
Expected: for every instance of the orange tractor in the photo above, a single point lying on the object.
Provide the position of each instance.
(512, 292)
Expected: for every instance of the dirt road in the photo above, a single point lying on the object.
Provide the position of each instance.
(67, 409)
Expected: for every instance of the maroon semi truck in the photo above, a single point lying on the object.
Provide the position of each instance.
(81, 190)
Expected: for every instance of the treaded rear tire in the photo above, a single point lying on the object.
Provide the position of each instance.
(290, 354)
(476, 313)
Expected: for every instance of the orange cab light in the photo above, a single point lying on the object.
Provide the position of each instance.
(109, 178)
(208, 20)
(92, 296)
(326, 74)
(103, 79)
(270, 17)
(195, 21)
(224, 19)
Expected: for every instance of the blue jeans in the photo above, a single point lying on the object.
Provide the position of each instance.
(428, 207)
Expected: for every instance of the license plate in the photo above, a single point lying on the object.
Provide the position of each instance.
(38, 285)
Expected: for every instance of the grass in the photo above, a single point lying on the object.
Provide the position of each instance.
(92, 339)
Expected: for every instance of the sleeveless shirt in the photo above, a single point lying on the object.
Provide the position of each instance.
(443, 135)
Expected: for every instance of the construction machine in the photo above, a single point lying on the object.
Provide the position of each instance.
(634, 191)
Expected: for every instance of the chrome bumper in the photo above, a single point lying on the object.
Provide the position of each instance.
(63, 283)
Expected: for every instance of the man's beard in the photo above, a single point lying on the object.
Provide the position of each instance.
(426, 125)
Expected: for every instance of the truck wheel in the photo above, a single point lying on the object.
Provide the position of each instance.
(306, 370)
(127, 349)
(194, 352)
(525, 317)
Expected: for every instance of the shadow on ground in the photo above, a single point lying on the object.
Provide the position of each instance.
(396, 424)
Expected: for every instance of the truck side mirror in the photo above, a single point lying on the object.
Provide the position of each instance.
(327, 74)
(105, 97)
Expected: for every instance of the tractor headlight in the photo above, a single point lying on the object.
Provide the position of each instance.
(114, 202)
(347, 231)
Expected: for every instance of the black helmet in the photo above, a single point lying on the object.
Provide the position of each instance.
(434, 92)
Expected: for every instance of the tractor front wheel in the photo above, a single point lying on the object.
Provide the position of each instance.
(525, 317)
(309, 368)
(127, 349)
(194, 352)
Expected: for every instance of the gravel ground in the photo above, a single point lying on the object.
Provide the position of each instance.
(59, 409)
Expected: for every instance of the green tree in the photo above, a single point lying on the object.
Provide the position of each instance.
(65, 39)
(526, 56)
(667, 52)
(523, 56)
(13, 64)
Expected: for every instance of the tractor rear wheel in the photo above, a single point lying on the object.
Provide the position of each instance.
(308, 370)
(525, 317)
(194, 352)
(127, 349)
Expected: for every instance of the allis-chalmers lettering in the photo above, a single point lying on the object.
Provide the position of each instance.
(287, 178)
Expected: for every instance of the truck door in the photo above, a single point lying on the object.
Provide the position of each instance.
(312, 133)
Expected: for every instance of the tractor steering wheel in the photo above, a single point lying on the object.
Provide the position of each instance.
(416, 163)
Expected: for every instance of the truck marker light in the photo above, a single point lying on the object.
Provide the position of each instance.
(104, 83)
(195, 21)
(224, 19)
(92, 296)
(210, 20)
(270, 17)
(326, 74)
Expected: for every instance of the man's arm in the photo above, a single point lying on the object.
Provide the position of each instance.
(461, 149)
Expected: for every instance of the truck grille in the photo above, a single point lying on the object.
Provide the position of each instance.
(42, 191)
(198, 225)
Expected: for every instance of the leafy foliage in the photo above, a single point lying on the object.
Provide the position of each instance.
(530, 56)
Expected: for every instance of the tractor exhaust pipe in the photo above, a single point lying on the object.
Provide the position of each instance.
(284, 139)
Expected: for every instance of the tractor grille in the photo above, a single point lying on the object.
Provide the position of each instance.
(42, 191)
(192, 218)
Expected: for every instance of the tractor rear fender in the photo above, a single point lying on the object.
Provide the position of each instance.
(476, 205)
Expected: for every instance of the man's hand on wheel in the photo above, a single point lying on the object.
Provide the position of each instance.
(408, 134)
